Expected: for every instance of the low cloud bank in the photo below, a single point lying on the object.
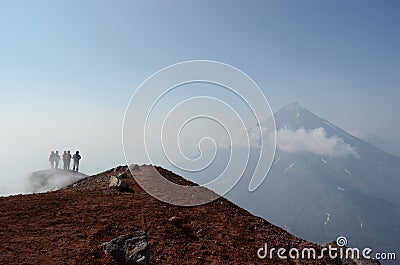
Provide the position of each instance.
(314, 141)
(41, 181)
(53, 179)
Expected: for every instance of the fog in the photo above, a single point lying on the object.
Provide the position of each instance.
(28, 137)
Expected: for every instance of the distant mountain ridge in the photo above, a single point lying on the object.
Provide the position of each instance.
(370, 160)
(380, 143)
(319, 196)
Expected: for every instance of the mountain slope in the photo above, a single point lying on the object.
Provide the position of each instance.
(67, 226)
(317, 191)
(374, 171)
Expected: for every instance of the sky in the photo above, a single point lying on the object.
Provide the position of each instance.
(68, 68)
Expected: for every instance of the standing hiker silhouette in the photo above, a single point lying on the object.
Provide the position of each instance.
(76, 157)
(52, 159)
(65, 160)
(69, 156)
(56, 159)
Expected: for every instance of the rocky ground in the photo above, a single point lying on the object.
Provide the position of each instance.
(68, 226)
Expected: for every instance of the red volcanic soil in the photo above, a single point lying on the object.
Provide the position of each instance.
(69, 225)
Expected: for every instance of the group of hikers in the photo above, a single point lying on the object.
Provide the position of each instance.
(55, 158)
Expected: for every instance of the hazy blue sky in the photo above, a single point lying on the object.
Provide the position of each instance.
(68, 68)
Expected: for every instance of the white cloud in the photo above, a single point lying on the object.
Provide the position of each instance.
(314, 141)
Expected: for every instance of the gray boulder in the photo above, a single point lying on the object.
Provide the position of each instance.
(118, 184)
(123, 175)
(131, 249)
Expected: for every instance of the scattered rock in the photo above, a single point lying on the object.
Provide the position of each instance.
(175, 220)
(123, 175)
(118, 184)
(113, 182)
(119, 168)
(131, 249)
